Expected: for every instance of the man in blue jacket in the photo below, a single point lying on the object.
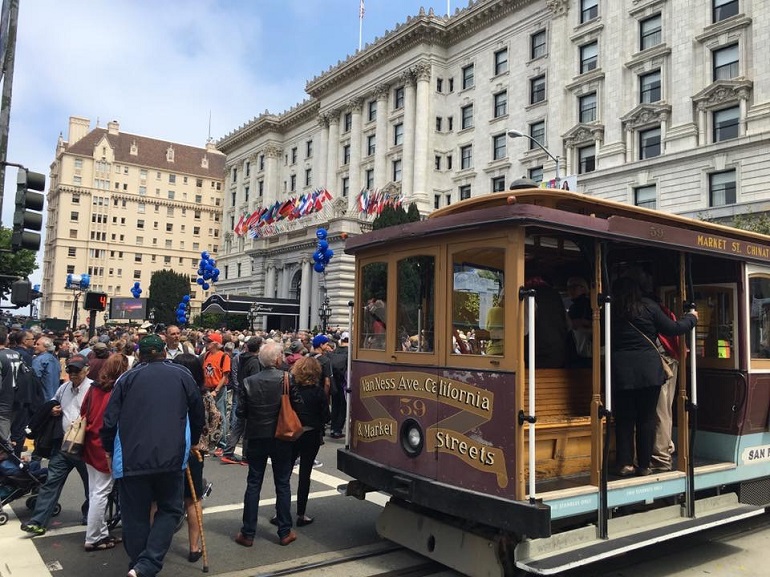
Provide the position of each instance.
(154, 412)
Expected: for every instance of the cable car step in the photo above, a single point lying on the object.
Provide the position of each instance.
(564, 551)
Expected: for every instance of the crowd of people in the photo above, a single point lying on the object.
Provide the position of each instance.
(156, 404)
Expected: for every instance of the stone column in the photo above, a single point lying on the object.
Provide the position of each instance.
(422, 129)
(316, 298)
(269, 291)
(407, 151)
(381, 138)
(304, 296)
(333, 146)
(322, 152)
(354, 175)
(272, 174)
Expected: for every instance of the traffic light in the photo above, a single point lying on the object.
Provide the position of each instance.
(21, 293)
(28, 216)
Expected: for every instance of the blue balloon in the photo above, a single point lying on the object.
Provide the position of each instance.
(205, 255)
(328, 254)
(319, 267)
(215, 278)
(318, 256)
(323, 245)
(199, 280)
(321, 233)
(206, 286)
(186, 299)
(216, 271)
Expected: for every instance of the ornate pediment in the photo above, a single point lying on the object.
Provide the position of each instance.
(582, 133)
(558, 7)
(646, 114)
(723, 92)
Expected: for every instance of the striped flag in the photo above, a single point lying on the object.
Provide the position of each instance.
(361, 10)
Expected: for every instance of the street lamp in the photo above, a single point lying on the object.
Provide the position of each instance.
(151, 316)
(252, 315)
(519, 134)
(325, 312)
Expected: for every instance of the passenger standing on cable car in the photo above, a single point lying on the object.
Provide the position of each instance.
(637, 371)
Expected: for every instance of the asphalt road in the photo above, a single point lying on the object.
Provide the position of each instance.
(343, 527)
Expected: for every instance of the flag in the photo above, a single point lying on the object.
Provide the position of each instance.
(238, 230)
(361, 10)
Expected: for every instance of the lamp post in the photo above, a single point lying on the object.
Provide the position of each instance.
(252, 315)
(519, 134)
(106, 318)
(325, 312)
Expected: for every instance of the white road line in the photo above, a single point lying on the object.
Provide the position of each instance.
(17, 551)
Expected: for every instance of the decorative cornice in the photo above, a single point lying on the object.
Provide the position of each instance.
(422, 70)
(355, 104)
(558, 7)
(646, 114)
(722, 92)
(273, 151)
(583, 132)
(381, 91)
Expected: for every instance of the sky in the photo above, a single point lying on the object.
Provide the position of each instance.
(177, 70)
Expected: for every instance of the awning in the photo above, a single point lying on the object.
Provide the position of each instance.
(241, 305)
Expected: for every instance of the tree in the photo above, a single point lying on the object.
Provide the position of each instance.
(166, 291)
(392, 216)
(14, 265)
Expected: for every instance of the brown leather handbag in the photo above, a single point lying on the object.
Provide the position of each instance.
(289, 427)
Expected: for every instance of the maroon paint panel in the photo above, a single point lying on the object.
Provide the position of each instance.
(466, 418)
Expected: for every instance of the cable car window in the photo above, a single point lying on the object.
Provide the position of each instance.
(714, 337)
(759, 316)
(478, 324)
(375, 289)
(416, 304)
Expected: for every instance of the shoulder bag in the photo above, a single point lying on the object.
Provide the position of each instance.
(289, 427)
(75, 436)
(666, 367)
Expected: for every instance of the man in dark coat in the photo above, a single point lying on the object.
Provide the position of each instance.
(154, 413)
(248, 364)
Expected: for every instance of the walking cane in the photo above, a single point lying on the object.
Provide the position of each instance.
(198, 514)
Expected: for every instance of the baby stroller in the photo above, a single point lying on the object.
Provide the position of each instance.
(19, 479)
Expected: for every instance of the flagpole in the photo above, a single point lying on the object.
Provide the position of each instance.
(360, 23)
(447, 7)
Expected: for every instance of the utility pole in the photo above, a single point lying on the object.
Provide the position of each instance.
(9, 18)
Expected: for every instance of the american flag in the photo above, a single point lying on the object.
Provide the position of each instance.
(361, 10)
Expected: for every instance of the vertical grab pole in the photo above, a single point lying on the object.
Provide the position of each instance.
(692, 402)
(346, 392)
(529, 294)
(605, 412)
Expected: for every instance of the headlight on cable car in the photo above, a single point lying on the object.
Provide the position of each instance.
(412, 437)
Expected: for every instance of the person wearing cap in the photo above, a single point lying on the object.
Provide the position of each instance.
(70, 397)
(96, 359)
(321, 350)
(296, 351)
(216, 375)
(154, 413)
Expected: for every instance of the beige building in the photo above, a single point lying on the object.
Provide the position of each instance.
(658, 103)
(122, 206)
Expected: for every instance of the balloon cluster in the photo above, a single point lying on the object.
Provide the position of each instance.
(183, 310)
(323, 253)
(136, 290)
(207, 271)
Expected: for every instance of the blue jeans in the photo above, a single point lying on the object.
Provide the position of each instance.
(148, 542)
(222, 406)
(280, 455)
(237, 428)
(59, 467)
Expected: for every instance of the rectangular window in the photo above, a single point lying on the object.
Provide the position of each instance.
(588, 107)
(726, 123)
(449, 162)
(501, 61)
(467, 117)
(398, 98)
(397, 170)
(374, 280)
(308, 148)
(74, 215)
(439, 122)
(370, 144)
(649, 87)
(345, 186)
(537, 45)
(308, 176)
(645, 196)
(439, 85)
(466, 156)
(722, 188)
(650, 32)
(589, 9)
(464, 192)
(398, 134)
(649, 143)
(537, 132)
(169, 227)
(70, 269)
(294, 155)
(537, 89)
(724, 9)
(172, 178)
(468, 80)
(196, 231)
(589, 57)
(498, 146)
(726, 64)
(501, 103)
(346, 154)
(437, 162)
(293, 182)
(71, 251)
(372, 110)
(369, 178)
(347, 122)
(536, 174)
(586, 159)
(498, 184)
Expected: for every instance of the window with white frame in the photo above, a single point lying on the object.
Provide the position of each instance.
(589, 9)
(535, 174)
(725, 62)
(586, 159)
(466, 157)
(345, 186)
(498, 184)
(723, 9)
(587, 107)
(371, 110)
(537, 133)
(397, 170)
(369, 178)
(347, 124)
(537, 46)
(537, 89)
(466, 113)
(649, 87)
(726, 123)
(589, 57)
(346, 154)
(649, 143)
(370, 144)
(501, 61)
(467, 75)
(645, 196)
(398, 134)
(398, 98)
(498, 146)
(464, 191)
(722, 188)
(501, 103)
(650, 32)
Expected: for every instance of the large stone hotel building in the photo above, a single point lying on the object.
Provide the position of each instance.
(659, 103)
(122, 206)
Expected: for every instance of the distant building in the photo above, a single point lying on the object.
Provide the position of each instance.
(122, 206)
(655, 103)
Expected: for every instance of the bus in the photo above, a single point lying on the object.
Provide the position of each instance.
(496, 444)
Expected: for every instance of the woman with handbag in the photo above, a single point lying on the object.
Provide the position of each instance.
(637, 371)
(259, 403)
(99, 477)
